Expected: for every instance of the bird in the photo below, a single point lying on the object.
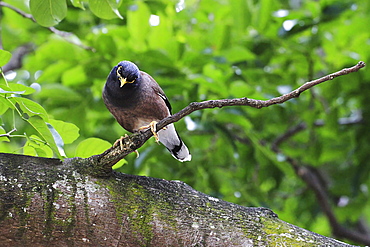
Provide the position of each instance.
(137, 101)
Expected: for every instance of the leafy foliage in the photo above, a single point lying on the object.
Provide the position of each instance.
(48, 12)
(198, 51)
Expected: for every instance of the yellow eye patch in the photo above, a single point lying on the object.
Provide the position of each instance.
(122, 80)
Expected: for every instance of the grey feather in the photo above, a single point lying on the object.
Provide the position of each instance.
(172, 141)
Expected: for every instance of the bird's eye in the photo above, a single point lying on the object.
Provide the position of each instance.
(119, 70)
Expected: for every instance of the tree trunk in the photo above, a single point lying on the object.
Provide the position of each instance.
(47, 202)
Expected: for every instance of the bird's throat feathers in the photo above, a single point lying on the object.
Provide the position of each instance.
(124, 96)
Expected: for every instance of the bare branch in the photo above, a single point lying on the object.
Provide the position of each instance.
(16, 61)
(311, 177)
(253, 102)
(130, 143)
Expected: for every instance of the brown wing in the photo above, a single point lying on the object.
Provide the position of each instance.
(151, 104)
(153, 101)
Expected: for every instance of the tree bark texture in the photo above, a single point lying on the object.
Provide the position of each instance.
(48, 202)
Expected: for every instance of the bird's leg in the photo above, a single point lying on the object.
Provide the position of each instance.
(152, 127)
(119, 141)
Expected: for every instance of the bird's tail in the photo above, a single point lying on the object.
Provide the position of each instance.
(172, 141)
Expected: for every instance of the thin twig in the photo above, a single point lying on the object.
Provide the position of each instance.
(136, 140)
(253, 102)
(20, 12)
(63, 34)
(9, 133)
(16, 61)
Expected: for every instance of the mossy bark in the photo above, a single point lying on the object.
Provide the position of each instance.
(47, 202)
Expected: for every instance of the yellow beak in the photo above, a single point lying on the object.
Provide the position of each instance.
(123, 81)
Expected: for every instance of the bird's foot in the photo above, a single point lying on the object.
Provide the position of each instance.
(119, 142)
(153, 128)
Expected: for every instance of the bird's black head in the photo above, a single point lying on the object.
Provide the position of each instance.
(122, 86)
(126, 72)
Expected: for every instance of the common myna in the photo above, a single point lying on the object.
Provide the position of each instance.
(136, 101)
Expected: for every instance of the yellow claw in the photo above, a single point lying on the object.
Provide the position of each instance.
(119, 141)
(152, 127)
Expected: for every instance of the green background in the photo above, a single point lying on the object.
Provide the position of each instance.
(203, 50)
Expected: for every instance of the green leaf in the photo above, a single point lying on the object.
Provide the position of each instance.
(240, 89)
(161, 37)
(238, 54)
(57, 93)
(31, 107)
(4, 57)
(91, 146)
(138, 29)
(119, 165)
(264, 14)
(68, 131)
(78, 4)
(105, 9)
(8, 102)
(57, 138)
(36, 146)
(106, 45)
(53, 72)
(74, 76)
(4, 105)
(16, 89)
(29, 150)
(264, 153)
(48, 13)
(4, 89)
(40, 126)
